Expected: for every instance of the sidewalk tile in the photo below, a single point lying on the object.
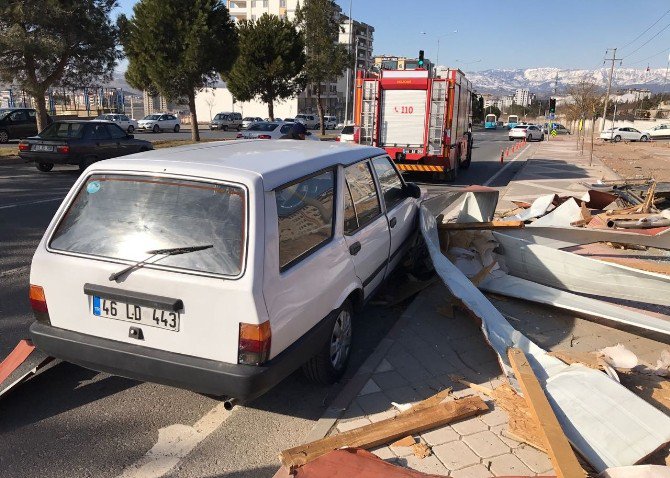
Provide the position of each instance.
(351, 424)
(378, 417)
(388, 380)
(374, 403)
(384, 453)
(534, 459)
(500, 433)
(496, 417)
(369, 387)
(353, 412)
(402, 395)
(486, 444)
(455, 455)
(469, 426)
(430, 465)
(474, 471)
(508, 465)
(384, 366)
(440, 435)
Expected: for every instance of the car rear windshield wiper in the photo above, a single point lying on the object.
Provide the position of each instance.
(174, 251)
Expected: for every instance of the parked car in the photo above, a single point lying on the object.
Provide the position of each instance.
(79, 142)
(661, 131)
(289, 120)
(249, 120)
(559, 128)
(310, 121)
(529, 132)
(225, 121)
(624, 133)
(224, 269)
(124, 122)
(18, 123)
(271, 130)
(330, 122)
(159, 122)
(349, 134)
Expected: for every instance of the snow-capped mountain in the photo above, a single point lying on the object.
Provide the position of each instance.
(541, 80)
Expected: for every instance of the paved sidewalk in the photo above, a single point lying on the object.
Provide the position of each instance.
(431, 342)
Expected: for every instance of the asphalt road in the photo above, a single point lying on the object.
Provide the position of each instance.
(71, 422)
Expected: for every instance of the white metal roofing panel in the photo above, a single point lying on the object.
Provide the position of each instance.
(403, 120)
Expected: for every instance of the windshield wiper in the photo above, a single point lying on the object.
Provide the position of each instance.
(174, 251)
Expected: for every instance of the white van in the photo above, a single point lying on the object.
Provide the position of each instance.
(309, 120)
(330, 122)
(220, 267)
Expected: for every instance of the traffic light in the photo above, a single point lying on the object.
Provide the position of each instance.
(421, 61)
(552, 105)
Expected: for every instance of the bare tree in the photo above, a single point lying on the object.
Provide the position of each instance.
(211, 101)
(587, 97)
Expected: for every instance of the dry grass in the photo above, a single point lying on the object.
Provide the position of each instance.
(636, 160)
(9, 153)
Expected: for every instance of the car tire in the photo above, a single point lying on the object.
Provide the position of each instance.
(45, 167)
(224, 128)
(644, 139)
(542, 137)
(330, 363)
(85, 162)
(239, 128)
(176, 128)
(4, 136)
(131, 128)
(616, 139)
(511, 139)
(155, 129)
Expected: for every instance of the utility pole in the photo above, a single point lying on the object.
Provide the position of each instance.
(609, 84)
(346, 98)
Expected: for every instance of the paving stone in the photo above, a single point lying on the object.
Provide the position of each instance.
(374, 403)
(500, 433)
(430, 465)
(401, 451)
(440, 435)
(378, 417)
(353, 412)
(391, 379)
(402, 394)
(496, 417)
(534, 459)
(455, 455)
(508, 465)
(486, 444)
(470, 426)
(384, 366)
(384, 453)
(474, 471)
(351, 424)
(369, 387)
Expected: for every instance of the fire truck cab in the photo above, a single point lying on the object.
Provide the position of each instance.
(422, 122)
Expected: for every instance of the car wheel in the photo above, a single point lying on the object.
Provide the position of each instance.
(329, 364)
(4, 136)
(85, 162)
(542, 137)
(131, 128)
(45, 167)
(176, 128)
(617, 138)
(155, 129)
(239, 128)
(511, 139)
(224, 127)
(644, 139)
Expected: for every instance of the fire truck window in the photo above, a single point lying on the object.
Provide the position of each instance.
(363, 192)
(389, 181)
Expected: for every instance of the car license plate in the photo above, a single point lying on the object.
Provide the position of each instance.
(42, 147)
(114, 309)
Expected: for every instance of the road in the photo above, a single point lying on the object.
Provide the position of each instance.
(71, 422)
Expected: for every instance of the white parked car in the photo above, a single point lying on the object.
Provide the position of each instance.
(349, 134)
(529, 132)
(249, 120)
(311, 121)
(270, 130)
(127, 124)
(625, 134)
(159, 122)
(330, 122)
(220, 269)
(661, 131)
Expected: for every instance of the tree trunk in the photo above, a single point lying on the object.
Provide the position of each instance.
(41, 108)
(271, 110)
(195, 134)
(319, 109)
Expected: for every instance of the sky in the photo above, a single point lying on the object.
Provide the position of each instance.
(503, 34)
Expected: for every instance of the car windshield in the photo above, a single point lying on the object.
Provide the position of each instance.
(62, 131)
(123, 217)
(521, 127)
(152, 117)
(263, 127)
(249, 119)
(348, 130)
(219, 117)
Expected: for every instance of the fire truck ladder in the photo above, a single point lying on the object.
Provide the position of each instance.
(369, 112)
(438, 107)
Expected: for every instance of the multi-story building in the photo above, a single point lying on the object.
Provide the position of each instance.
(522, 97)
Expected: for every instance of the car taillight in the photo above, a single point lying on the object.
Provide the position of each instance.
(38, 302)
(239, 135)
(24, 147)
(357, 136)
(338, 138)
(65, 149)
(254, 344)
(264, 136)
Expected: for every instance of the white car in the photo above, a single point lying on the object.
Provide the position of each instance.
(330, 122)
(159, 122)
(625, 134)
(309, 120)
(249, 120)
(270, 130)
(349, 134)
(529, 132)
(127, 124)
(661, 131)
(220, 269)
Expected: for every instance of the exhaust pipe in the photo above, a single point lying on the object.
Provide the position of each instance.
(229, 403)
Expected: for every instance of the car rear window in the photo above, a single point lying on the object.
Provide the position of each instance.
(347, 130)
(263, 127)
(521, 127)
(124, 217)
(62, 131)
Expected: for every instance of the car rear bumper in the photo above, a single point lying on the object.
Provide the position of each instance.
(53, 158)
(244, 382)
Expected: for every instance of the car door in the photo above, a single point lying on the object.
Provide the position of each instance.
(120, 144)
(400, 209)
(635, 135)
(366, 229)
(18, 126)
(31, 126)
(100, 141)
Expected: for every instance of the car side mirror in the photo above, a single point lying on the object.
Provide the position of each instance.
(412, 190)
(130, 136)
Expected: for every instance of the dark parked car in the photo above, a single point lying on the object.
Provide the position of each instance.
(18, 123)
(79, 142)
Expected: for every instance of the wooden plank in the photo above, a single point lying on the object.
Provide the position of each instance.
(385, 431)
(460, 226)
(558, 448)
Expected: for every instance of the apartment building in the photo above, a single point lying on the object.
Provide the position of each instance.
(522, 97)
(253, 9)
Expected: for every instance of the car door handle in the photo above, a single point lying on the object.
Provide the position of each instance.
(393, 222)
(355, 248)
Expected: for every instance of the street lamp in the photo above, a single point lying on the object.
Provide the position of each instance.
(437, 57)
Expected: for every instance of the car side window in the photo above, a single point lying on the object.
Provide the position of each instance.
(124, 118)
(98, 131)
(365, 200)
(18, 116)
(389, 181)
(115, 132)
(306, 215)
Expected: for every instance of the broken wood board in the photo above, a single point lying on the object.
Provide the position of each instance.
(558, 448)
(589, 359)
(459, 226)
(374, 434)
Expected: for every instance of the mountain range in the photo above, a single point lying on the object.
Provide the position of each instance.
(541, 80)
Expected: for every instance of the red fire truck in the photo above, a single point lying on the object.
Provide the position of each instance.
(422, 122)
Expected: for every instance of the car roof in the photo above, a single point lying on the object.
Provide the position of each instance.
(276, 162)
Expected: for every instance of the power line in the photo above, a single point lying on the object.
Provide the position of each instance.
(652, 26)
(657, 34)
(649, 57)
